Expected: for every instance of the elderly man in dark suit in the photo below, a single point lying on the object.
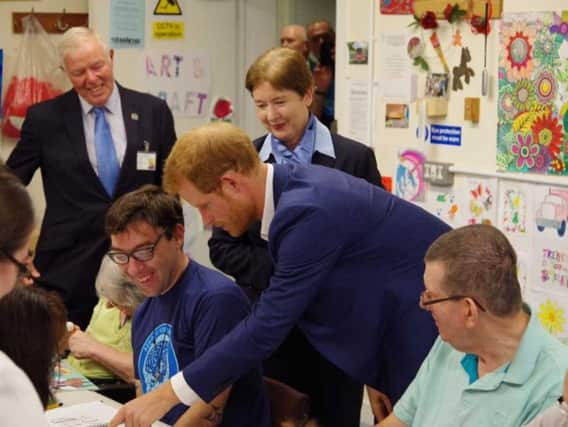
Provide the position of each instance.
(92, 144)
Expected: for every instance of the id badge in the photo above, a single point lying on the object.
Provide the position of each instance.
(146, 160)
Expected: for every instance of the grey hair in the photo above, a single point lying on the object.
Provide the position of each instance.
(73, 39)
(113, 285)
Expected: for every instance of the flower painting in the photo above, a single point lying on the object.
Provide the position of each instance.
(532, 134)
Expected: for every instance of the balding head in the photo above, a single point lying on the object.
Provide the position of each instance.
(295, 37)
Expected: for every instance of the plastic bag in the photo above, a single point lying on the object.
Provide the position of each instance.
(37, 77)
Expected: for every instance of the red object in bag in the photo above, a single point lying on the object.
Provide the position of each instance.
(37, 77)
(20, 95)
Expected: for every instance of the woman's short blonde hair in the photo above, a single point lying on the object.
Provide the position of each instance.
(283, 68)
(204, 154)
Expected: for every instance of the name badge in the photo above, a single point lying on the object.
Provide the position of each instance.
(146, 160)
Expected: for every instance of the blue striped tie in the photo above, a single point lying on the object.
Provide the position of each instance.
(107, 162)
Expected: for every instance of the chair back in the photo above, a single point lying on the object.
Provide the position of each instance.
(286, 403)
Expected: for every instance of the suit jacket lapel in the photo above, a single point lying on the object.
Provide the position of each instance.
(323, 160)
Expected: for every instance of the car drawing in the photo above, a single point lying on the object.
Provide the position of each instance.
(553, 211)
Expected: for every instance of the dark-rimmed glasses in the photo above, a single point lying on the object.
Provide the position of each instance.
(424, 302)
(142, 254)
(23, 269)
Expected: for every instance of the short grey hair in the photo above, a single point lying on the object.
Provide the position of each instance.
(73, 39)
(113, 285)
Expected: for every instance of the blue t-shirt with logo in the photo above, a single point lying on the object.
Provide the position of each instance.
(170, 331)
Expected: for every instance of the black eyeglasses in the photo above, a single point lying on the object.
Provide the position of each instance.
(23, 269)
(142, 254)
(426, 302)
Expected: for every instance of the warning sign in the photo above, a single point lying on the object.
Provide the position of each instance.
(167, 7)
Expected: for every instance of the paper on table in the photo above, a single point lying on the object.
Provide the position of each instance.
(91, 414)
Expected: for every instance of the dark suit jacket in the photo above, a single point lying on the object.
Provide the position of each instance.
(246, 258)
(72, 240)
(348, 267)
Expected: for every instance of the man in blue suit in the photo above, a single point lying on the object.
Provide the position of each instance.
(348, 266)
(80, 182)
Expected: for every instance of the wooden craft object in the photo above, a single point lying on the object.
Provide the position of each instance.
(471, 110)
(52, 22)
(473, 7)
(462, 70)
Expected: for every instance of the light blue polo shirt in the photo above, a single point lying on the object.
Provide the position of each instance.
(441, 394)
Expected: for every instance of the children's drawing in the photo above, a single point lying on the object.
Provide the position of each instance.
(514, 208)
(480, 201)
(550, 266)
(444, 203)
(551, 210)
(409, 183)
(552, 312)
(533, 91)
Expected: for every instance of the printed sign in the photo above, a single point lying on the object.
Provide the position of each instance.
(446, 135)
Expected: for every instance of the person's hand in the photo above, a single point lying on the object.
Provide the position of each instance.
(380, 403)
(144, 410)
(34, 274)
(323, 76)
(81, 344)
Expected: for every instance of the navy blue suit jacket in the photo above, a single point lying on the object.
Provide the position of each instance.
(72, 240)
(246, 257)
(348, 266)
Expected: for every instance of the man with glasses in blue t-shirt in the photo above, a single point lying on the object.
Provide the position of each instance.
(189, 307)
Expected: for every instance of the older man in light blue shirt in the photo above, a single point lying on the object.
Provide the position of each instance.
(493, 364)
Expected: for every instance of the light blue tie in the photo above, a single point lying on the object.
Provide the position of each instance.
(107, 162)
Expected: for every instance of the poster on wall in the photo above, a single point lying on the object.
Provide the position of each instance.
(180, 77)
(479, 200)
(552, 312)
(445, 203)
(409, 181)
(126, 24)
(533, 94)
(396, 7)
(515, 209)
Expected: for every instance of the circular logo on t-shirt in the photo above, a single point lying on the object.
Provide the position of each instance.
(157, 361)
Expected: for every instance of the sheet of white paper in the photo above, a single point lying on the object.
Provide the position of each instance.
(358, 115)
(395, 72)
(91, 414)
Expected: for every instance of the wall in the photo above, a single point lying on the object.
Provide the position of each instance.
(303, 12)
(10, 43)
(356, 19)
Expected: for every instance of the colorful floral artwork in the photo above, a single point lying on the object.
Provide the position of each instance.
(409, 182)
(533, 94)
